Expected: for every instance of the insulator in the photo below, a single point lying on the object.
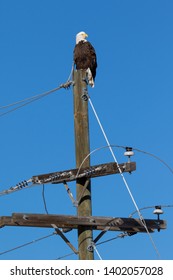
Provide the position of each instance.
(22, 184)
(129, 152)
(25, 183)
(89, 172)
(68, 174)
(19, 185)
(55, 177)
(158, 211)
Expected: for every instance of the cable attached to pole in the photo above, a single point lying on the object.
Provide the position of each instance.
(29, 100)
(121, 173)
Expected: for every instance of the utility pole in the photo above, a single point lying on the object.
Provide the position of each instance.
(83, 222)
(82, 145)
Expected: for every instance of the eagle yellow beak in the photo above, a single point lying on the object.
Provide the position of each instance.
(86, 35)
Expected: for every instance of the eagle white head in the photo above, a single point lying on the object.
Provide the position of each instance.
(81, 36)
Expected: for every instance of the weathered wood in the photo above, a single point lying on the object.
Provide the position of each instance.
(74, 222)
(82, 147)
(87, 172)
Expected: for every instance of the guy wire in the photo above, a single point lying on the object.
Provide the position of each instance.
(121, 173)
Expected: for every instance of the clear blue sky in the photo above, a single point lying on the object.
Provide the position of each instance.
(132, 96)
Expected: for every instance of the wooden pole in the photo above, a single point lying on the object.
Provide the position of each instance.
(83, 186)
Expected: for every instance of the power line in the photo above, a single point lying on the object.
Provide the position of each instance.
(64, 256)
(92, 152)
(20, 186)
(121, 235)
(149, 207)
(44, 200)
(97, 252)
(26, 244)
(124, 180)
(29, 100)
(113, 155)
(152, 155)
(124, 147)
(26, 183)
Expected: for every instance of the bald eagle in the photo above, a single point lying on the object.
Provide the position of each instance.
(85, 57)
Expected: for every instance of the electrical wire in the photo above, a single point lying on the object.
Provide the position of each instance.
(25, 101)
(44, 200)
(72, 69)
(121, 235)
(25, 184)
(34, 98)
(149, 207)
(94, 247)
(113, 155)
(63, 257)
(20, 186)
(26, 244)
(92, 152)
(124, 147)
(29, 100)
(124, 180)
(158, 158)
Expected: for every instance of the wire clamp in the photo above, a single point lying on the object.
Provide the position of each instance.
(90, 248)
(66, 85)
(84, 96)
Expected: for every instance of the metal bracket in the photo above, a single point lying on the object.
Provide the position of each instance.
(70, 193)
(59, 232)
(75, 202)
(101, 234)
(84, 95)
(90, 248)
(84, 189)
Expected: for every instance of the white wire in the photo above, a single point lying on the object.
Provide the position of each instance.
(97, 252)
(113, 155)
(121, 173)
(95, 150)
(124, 147)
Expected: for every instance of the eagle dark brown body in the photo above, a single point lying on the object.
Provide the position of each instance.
(85, 57)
